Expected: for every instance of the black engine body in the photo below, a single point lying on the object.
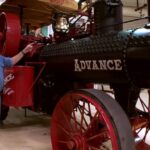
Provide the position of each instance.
(110, 55)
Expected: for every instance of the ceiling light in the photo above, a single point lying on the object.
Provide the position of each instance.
(2, 1)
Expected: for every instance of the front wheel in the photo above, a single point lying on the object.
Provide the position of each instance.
(90, 120)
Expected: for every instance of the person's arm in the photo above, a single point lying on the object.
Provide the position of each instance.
(21, 54)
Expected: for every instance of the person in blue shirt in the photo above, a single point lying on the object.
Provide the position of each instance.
(9, 62)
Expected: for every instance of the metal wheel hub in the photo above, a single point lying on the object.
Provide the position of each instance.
(1, 36)
(77, 142)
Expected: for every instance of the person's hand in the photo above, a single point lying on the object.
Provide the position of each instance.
(28, 48)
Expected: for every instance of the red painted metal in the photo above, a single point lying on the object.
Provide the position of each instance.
(18, 90)
(42, 65)
(80, 123)
(36, 47)
(141, 124)
(9, 34)
(141, 129)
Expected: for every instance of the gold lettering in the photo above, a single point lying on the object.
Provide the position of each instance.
(77, 66)
(95, 66)
(88, 64)
(102, 64)
(118, 65)
(110, 65)
(83, 66)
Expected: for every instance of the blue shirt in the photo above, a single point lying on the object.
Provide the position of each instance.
(4, 62)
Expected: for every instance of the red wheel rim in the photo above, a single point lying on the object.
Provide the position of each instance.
(10, 34)
(3, 28)
(141, 123)
(79, 122)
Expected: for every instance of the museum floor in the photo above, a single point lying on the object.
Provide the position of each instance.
(25, 133)
(33, 132)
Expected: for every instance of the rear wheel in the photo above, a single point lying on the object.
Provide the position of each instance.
(141, 121)
(90, 120)
(9, 29)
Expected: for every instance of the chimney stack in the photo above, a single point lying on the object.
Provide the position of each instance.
(106, 14)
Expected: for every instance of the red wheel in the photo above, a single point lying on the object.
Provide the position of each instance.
(141, 122)
(90, 120)
(10, 34)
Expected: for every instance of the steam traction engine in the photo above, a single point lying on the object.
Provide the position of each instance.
(56, 75)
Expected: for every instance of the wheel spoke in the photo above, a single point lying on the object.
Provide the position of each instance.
(75, 120)
(82, 115)
(102, 134)
(67, 120)
(89, 110)
(78, 124)
(94, 148)
(143, 104)
(63, 129)
(146, 133)
(93, 119)
(82, 112)
(101, 148)
(62, 142)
